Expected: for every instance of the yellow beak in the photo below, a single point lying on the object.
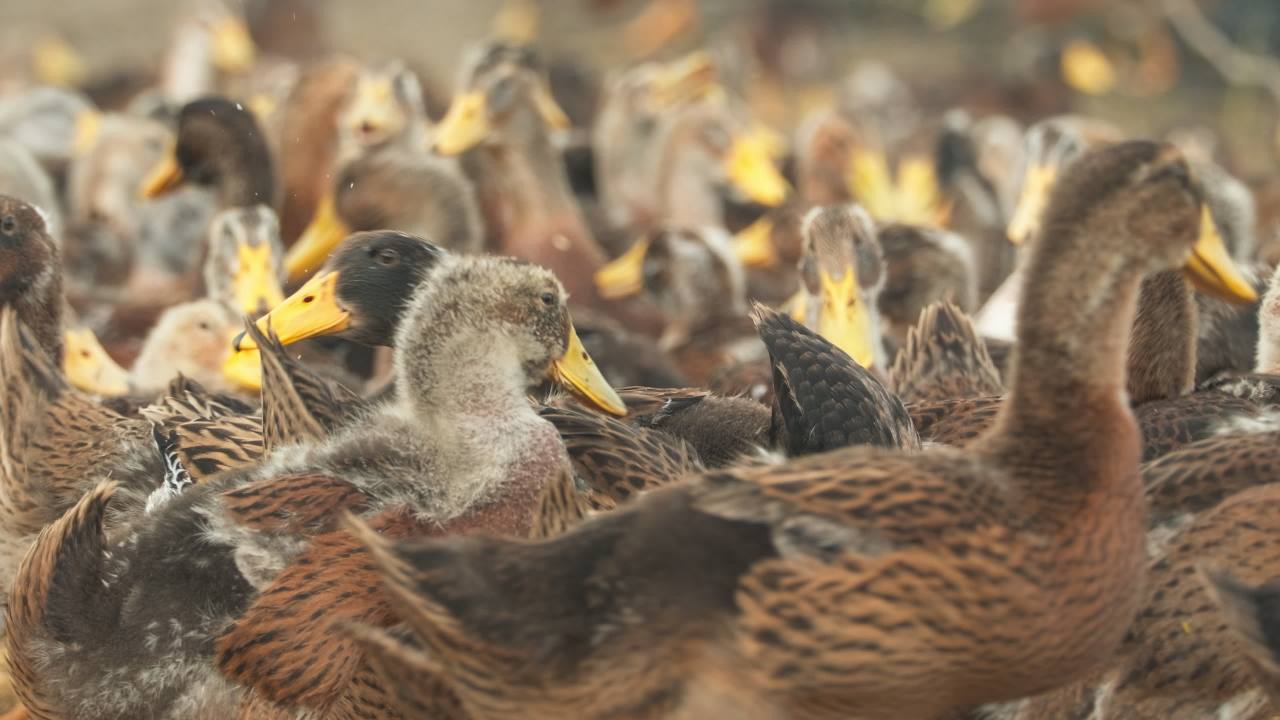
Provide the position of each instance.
(684, 80)
(870, 182)
(374, 111)
(660, 22)
(754, 245)
(310, 312)
(517, 22)
(1031, 203)
(919, 199)
(464, 126)
(56, 62)
(256, 287)
(1086, 68)
(88, 366)
(243, 369)
(322, 235)
(624, 276)
(233, 48)
(749, 166)
(552, 114)
(88, 125)
(576, 371)
(1211, 270)
(165, 177)
(845, 321)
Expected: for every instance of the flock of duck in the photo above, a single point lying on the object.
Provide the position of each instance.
(762, 463)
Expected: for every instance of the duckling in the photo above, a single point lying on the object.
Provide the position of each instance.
(242, 271)
(748, 622)
(473, 341)
(218, 145)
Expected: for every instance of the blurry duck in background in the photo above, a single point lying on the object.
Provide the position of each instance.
(242, 277)
(504, 115)
(220, 146)
(386, 179)
(209, 42)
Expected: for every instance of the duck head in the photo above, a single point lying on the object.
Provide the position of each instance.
(219, 145)
(359, 294)
(490, 327)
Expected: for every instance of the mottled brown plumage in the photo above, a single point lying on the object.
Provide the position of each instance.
(943, 359)
(863, 581)
(1183, 657)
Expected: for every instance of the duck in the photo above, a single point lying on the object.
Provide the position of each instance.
(1160, 373)
(746, 624)
(417, 193)
(821, 400)
(242, 271)
(500, 123)
(475, 338)
(220, 146)
(1195, 648)
(386, 179)
(209, 39)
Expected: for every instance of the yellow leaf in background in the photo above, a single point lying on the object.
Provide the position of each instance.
(945, 14)
(1086, 69)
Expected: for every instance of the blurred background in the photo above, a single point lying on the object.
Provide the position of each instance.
(1150, 65)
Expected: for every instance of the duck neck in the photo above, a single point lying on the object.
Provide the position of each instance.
(466, 389)
(1162, 346)
(526, 183)
(1067, 406)
(685, 195)
(40, 309)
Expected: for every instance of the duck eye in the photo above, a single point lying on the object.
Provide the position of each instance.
(387, 256)
(8, 225)
(548, 299)
(204, 325)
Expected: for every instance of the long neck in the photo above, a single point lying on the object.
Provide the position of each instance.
(685, 195)
(40, 309)
(188, 68)
(1066, 426)
(1162, 348)
(448, 383)
(526, 179)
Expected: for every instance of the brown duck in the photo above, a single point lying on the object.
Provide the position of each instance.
(862, 581)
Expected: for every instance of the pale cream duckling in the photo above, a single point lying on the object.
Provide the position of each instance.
(242, 274)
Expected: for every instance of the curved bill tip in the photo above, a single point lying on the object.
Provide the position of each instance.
(1211, 269)
(578, 372)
